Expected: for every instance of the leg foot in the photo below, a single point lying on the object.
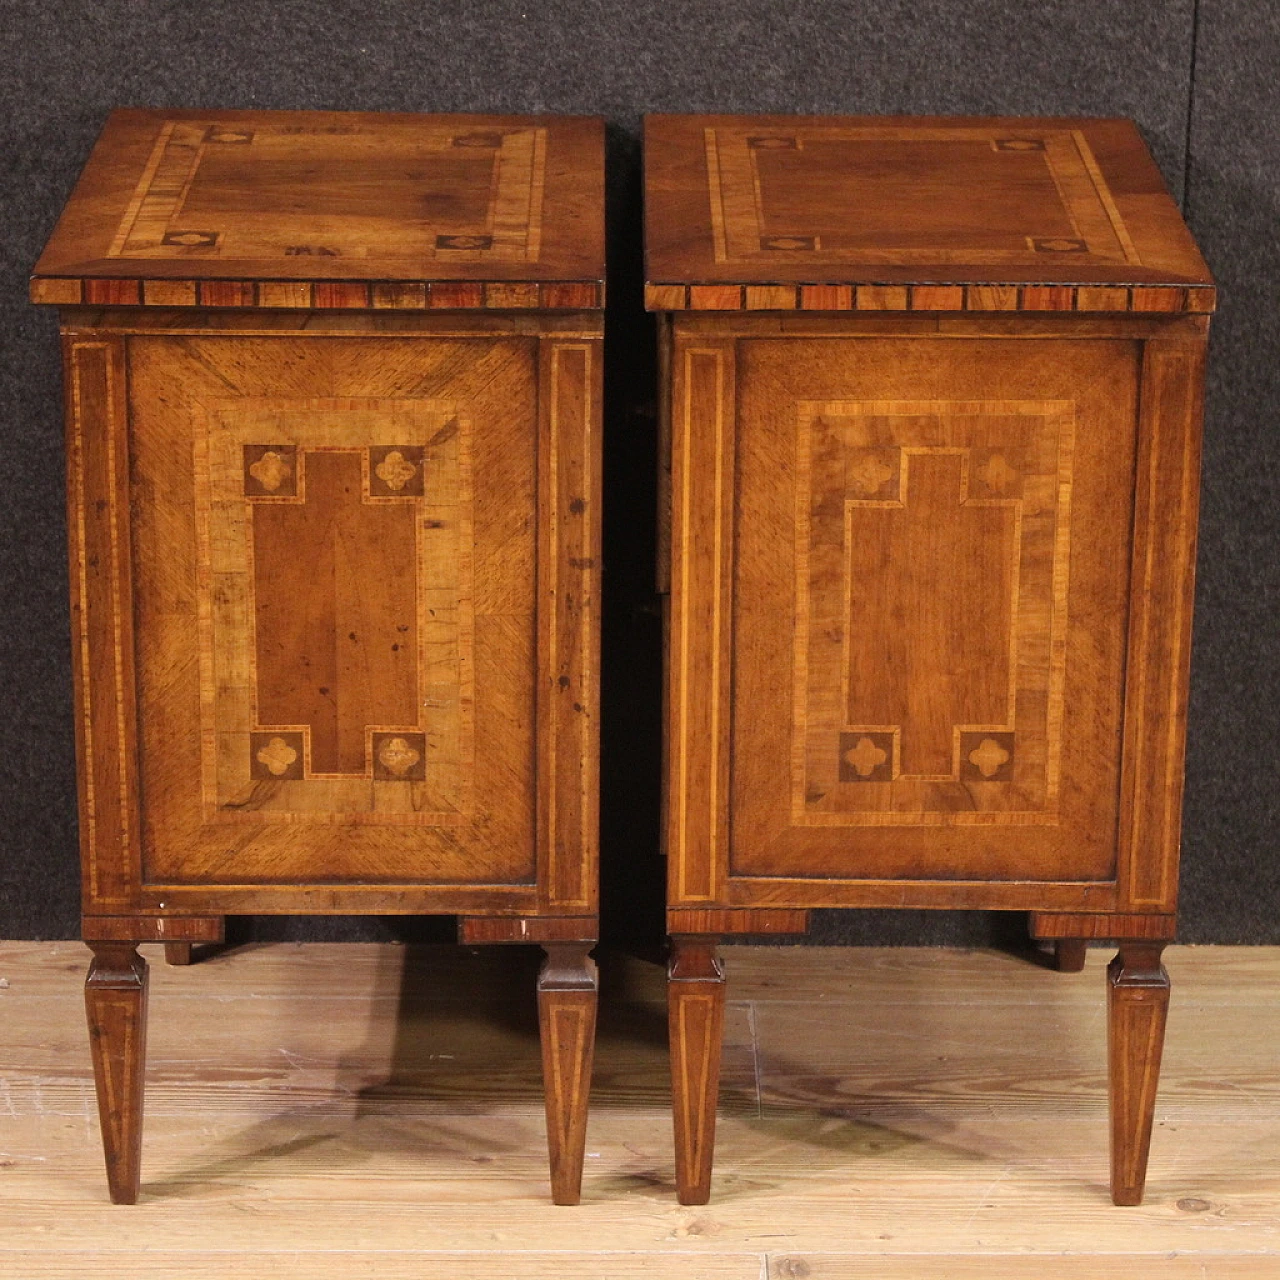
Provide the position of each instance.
(1069, 954)
(695, 1012)
(567, 990)
(1137, 1006)
(115, 996)
(178, 952)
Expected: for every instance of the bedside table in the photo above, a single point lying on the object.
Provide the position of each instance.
(932, 406)
(333, 407)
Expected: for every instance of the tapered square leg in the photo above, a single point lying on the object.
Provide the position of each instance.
(1137, 1008)
(116, 1002)
(178, 953)
(567, 994)
(695, 1012)
(1069, 954)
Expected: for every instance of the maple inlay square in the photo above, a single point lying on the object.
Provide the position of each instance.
(270, 470)
(986, 757)
(398, 471)
(276, 757)
(866, 757)
(399, 757)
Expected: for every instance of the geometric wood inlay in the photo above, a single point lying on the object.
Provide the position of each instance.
(422, 191)
(335, 610)
(867, 194)
(932, 576)
(339, 552)
(922, 658)
(417, 765)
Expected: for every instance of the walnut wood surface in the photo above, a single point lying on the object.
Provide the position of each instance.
(333, 209)
(232, 561)
(747, 398)
(936, 214)
(1154, 928)
(695, 1014)
(478, 930)
(1137, 1009)
(115, 996)
(930, 573)
(158, 928)
(715, 921)
(335, 559)
(568, 988)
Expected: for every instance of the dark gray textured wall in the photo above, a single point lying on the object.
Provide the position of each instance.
(1201, 84)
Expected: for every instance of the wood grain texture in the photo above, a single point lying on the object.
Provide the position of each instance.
(115, 995)
(960, 535)
(942, 652)
(1041, 204)
(354, 516)
(1111, 925)
(1162, 590)
(166, 929)
(464, 415)
(174, 589)
(99, 537)
(956, 1098)
(695, 1012)
(929, 298)
(480, 930)
(345, 201)
(567, 994)
(1137, 1009)
(719, 921)
(703, 413)
(570, 494)
(302, 295)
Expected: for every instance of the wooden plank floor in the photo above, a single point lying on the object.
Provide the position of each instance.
(375, 1111)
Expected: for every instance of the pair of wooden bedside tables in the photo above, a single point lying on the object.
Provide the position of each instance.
(931, 420)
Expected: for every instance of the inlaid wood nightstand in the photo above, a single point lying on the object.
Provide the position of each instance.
(933, 396)
(333, 407)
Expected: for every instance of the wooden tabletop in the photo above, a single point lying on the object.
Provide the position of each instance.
(282, 208)
(919, 213)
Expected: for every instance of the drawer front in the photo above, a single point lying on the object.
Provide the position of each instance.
(335, 594)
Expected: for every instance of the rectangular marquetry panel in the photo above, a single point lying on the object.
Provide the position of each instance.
(942, 520)
(824, 194)
(335, 550)
(931, 574)
(338, 532)
(272, 189)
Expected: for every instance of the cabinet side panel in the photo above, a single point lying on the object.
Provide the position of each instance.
(568, 606)
(101, 619)
(929, 610)
(336, 559)
(699, 668)
(1163, 590)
